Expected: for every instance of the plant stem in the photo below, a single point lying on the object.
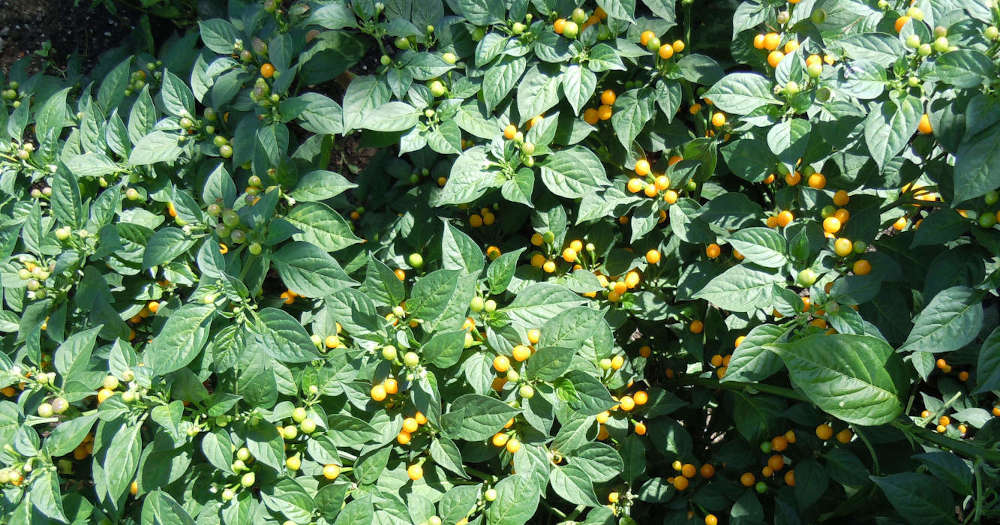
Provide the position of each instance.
(958, 447)
(576, 512)
(740, 386)
(871, 450)
(480, 474)
(977, 471)
(557, 512)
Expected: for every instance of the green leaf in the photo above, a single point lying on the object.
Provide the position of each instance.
(158, 146)
(458, 502)
(122, 459)
(358, 511)
(752, 361)
(322, 226)
(474, 417)
(762, 246)
(632, 110)
(46, 496)
(491, 46)
(447, 454)
(810, 482)
(470, 118)
(730, 210)
(634, 450)
(964, 68)
(112, 90)
(741, 93)
(469, 179)
(165, 509)
(845, 467)
(889, 127)
(444, 349)
(347, 431)
(578, 86)
(748, 15)
(665, 9)
(289, 498)
(604, 58)
(330, 500)
(940, 227)
(218, 34)
(601, 462)
(364, 94)
(548, 363)
(53, 115)
(90, 164)
(879, 48)
(977, 164)
(742, 288)
(142, 116)
(432, 292)
(573, 173)
(460, 252)
(501, 271)
(320, 185)
(391, 116)
(284, 338)
(788, 140)
(520, 188)
(480, 12)
(570, 328)
(669, 94)
(539, 302)
(371, 465)
(181, 338)
(864, 80)
(310, 271)
(68, 435)
(320, 114)
(918, 498)
(618, 9)
(517, 499)
(166, 245)
(73, 356)
(66, 202)
(950, 321)
(538, 91)
(354, 310)
(178, 99)
(257, 383)
(572, 484)
(988, 366)
(949, 468)
(219, 188)
(589, 396)
(266, 445)
(381, 284)
(500, 78)
(753, 415)
(845, 375)
(217, 448)
(332, 16)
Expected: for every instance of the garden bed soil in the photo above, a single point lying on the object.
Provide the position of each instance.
(59, 28)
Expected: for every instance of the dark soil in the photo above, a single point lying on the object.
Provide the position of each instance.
(69, 26)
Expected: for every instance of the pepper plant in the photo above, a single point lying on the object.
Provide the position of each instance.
(505, 262)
